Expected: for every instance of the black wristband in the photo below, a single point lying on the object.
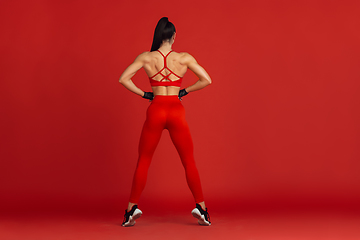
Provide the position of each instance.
(182, 93)
(148, 95)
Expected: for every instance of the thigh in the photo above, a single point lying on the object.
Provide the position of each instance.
(180, 132)
(152, 130)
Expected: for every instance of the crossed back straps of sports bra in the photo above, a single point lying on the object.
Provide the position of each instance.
(163, 82)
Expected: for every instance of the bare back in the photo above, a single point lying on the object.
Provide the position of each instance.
(154, 62)
(164, 80)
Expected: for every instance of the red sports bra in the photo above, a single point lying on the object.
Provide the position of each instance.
(155, 83)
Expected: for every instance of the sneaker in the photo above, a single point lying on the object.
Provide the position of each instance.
(131, 216)
(203, 216)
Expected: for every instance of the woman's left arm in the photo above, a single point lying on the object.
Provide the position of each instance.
(125, 78)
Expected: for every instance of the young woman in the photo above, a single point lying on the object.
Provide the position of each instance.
(165, 69)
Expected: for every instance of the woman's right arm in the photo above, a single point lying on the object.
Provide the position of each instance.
(125, 78)
(204, 78)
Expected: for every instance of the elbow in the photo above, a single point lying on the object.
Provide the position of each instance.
(121, 80)
(208, 80)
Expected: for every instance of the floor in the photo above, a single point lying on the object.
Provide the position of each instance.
(249, 225)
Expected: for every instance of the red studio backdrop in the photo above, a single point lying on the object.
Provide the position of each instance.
(279, 126)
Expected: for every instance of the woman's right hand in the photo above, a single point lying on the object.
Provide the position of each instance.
(182, 93)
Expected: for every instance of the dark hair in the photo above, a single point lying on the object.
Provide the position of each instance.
(164, 30)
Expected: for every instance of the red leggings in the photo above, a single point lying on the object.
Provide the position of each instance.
(166, 112)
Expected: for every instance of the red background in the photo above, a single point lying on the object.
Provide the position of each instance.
(278, 126)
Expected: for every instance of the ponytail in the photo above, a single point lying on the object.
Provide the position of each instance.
(164, 30)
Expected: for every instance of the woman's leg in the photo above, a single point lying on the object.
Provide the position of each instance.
(181, 137)
(149, 140)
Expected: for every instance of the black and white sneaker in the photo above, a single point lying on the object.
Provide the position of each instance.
(203, 216)
(131, 216)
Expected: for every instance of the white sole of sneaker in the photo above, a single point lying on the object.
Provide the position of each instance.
(131, 222)
(201, 219)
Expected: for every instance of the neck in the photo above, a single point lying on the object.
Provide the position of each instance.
(165, 46)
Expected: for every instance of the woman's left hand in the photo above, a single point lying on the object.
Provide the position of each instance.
(148, 95)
